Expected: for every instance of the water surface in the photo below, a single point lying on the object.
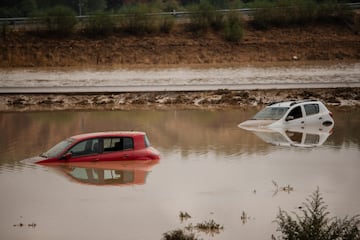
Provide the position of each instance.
(209, 168)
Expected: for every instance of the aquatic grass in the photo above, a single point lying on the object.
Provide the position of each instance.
(187, 233)
(314, 223)
(179, 234)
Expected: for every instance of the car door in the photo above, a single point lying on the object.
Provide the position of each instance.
(295, 117)
(312, 113)
(84, 151)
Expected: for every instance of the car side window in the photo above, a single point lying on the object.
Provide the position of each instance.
(311, 109)
(118, 144)
(295, 113)
(128, 143)
(113, 144)
(86, 147)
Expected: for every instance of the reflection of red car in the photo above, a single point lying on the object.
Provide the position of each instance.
(103, 146)
(106, 173)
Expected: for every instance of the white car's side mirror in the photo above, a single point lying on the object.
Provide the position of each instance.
(289, 118)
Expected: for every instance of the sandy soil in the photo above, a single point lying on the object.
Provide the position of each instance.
(181, 48)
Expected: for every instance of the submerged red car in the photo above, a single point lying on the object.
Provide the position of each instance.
(101, 146)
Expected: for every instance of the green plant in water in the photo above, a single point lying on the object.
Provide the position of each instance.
(314, 223)
(179, 235)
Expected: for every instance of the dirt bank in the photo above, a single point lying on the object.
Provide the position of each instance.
(313, 43)
(209, 99)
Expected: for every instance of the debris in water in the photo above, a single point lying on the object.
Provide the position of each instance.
(286, 188)
(208, 227)
(244, 217)
(184, 216)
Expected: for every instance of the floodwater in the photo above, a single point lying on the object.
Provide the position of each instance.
(209, 168)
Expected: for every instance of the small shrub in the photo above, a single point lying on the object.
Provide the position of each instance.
(356, 24)
(204, 17)
(233, 28)
(331, 11)
(4, 30)
(166, 24)
(60, 20)
(100, 24)
(137, 20)
(315, 223)
(298, 12)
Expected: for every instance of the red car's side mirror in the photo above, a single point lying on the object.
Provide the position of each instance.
(66, 156)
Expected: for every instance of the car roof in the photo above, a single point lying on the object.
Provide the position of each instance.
(290, 103)
(108, 134)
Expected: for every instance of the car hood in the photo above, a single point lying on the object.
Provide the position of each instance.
(256, 124)
(35, 159)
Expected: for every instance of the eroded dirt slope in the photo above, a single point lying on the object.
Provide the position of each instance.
(325, 42)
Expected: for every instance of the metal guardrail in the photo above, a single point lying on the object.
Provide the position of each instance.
(180, 14)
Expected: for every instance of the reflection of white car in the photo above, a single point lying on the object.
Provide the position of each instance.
(291, 114)
(299, 137)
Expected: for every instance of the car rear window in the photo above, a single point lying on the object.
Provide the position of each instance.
(147, 141)
(311, 109)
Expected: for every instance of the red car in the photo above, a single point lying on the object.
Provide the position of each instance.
(102, 146)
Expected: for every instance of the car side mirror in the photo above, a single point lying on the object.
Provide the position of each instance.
(66, 156)
(289, 118)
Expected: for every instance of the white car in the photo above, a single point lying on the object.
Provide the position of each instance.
(291, 114)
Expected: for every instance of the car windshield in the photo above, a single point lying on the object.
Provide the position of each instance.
(270, 113)
(57, 149)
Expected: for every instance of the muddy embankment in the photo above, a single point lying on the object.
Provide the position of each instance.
(221, 98)
(182, 48)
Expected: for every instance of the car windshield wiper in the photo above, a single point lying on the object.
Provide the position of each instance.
(43, 155)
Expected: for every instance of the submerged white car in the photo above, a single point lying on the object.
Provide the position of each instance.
(291, 114)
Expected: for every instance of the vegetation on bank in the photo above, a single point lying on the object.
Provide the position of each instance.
(105, 18)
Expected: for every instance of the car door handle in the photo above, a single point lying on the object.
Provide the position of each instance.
(302, 122)
(95, 160)
(320, 118)
(125, 156)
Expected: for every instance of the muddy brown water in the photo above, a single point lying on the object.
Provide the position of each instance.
(209, 168)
